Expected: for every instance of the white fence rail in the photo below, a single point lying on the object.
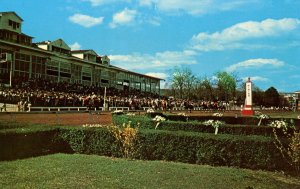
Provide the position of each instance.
(8, 107)
(118, 108)
(58, 109)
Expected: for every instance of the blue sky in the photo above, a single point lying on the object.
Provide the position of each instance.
(251, 38)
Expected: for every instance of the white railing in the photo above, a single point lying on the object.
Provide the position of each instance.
(118, 108)
(36, 108)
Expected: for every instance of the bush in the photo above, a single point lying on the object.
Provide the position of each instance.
(255, 152)
(145, 121)
(16, 145)
(228, 119)
(154, 114)
(196, 126)
(97, 141)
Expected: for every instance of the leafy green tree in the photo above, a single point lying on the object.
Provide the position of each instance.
(227, 84)
(205, 88)
(271, 97)
(190, 85)
(257, 95)
(178, 80)
(183, 81)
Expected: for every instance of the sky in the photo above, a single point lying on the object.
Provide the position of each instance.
(259, 39)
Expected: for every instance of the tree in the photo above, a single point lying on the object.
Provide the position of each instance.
(257, 95)
(183, 81)
(226, 85)
(271, 97)
(205, 89)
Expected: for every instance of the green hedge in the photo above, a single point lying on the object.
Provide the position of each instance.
(255, 152)
(16, 144)
(90, 141)
(228, 119)
(195, 126)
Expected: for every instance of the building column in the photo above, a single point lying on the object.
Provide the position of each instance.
(158, 92)
(58, 77)
(30, 67)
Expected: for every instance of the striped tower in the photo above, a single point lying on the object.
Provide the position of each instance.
(247, 110)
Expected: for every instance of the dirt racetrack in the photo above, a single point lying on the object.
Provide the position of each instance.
(76, 119)
(104, 118)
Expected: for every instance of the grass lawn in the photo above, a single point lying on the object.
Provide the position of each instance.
(287, 114)
(91, 171)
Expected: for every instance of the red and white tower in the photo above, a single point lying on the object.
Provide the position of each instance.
(247, 110)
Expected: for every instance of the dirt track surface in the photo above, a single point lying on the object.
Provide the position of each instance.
(76, 119)
(104, 118)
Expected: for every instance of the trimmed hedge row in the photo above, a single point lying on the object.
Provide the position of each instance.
(244, 120)
(18, 144)
(254, 152)
(228, 119)
(147, 123)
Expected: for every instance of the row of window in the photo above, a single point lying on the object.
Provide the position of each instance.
(67, 67)
(25, 64)
(18, 38)
(13, 24)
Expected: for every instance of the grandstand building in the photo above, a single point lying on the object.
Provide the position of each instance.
(54, 60)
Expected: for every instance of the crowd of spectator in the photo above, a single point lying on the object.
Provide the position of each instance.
(45, 93)
(41, 92)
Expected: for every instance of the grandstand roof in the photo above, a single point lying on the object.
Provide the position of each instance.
(115, 67)
(11, 12)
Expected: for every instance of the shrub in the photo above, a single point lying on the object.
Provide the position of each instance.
(227, 119)
(145, 121)
(97, 141)
(255, 152)
(289, 146)
(15, 145)
(195, 126)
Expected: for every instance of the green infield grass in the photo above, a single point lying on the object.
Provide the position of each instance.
(91, 171)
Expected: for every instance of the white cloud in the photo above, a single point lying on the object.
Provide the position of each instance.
(234, 36)
(146, 3)
(157, 74)
(259, 62)
(194, 7)
(164, 76)
(75, 46)
(158, 61)
(102, 2)
(85, 20)
(125, 17)
(256, 78)
(97, 2)
(155, 21)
